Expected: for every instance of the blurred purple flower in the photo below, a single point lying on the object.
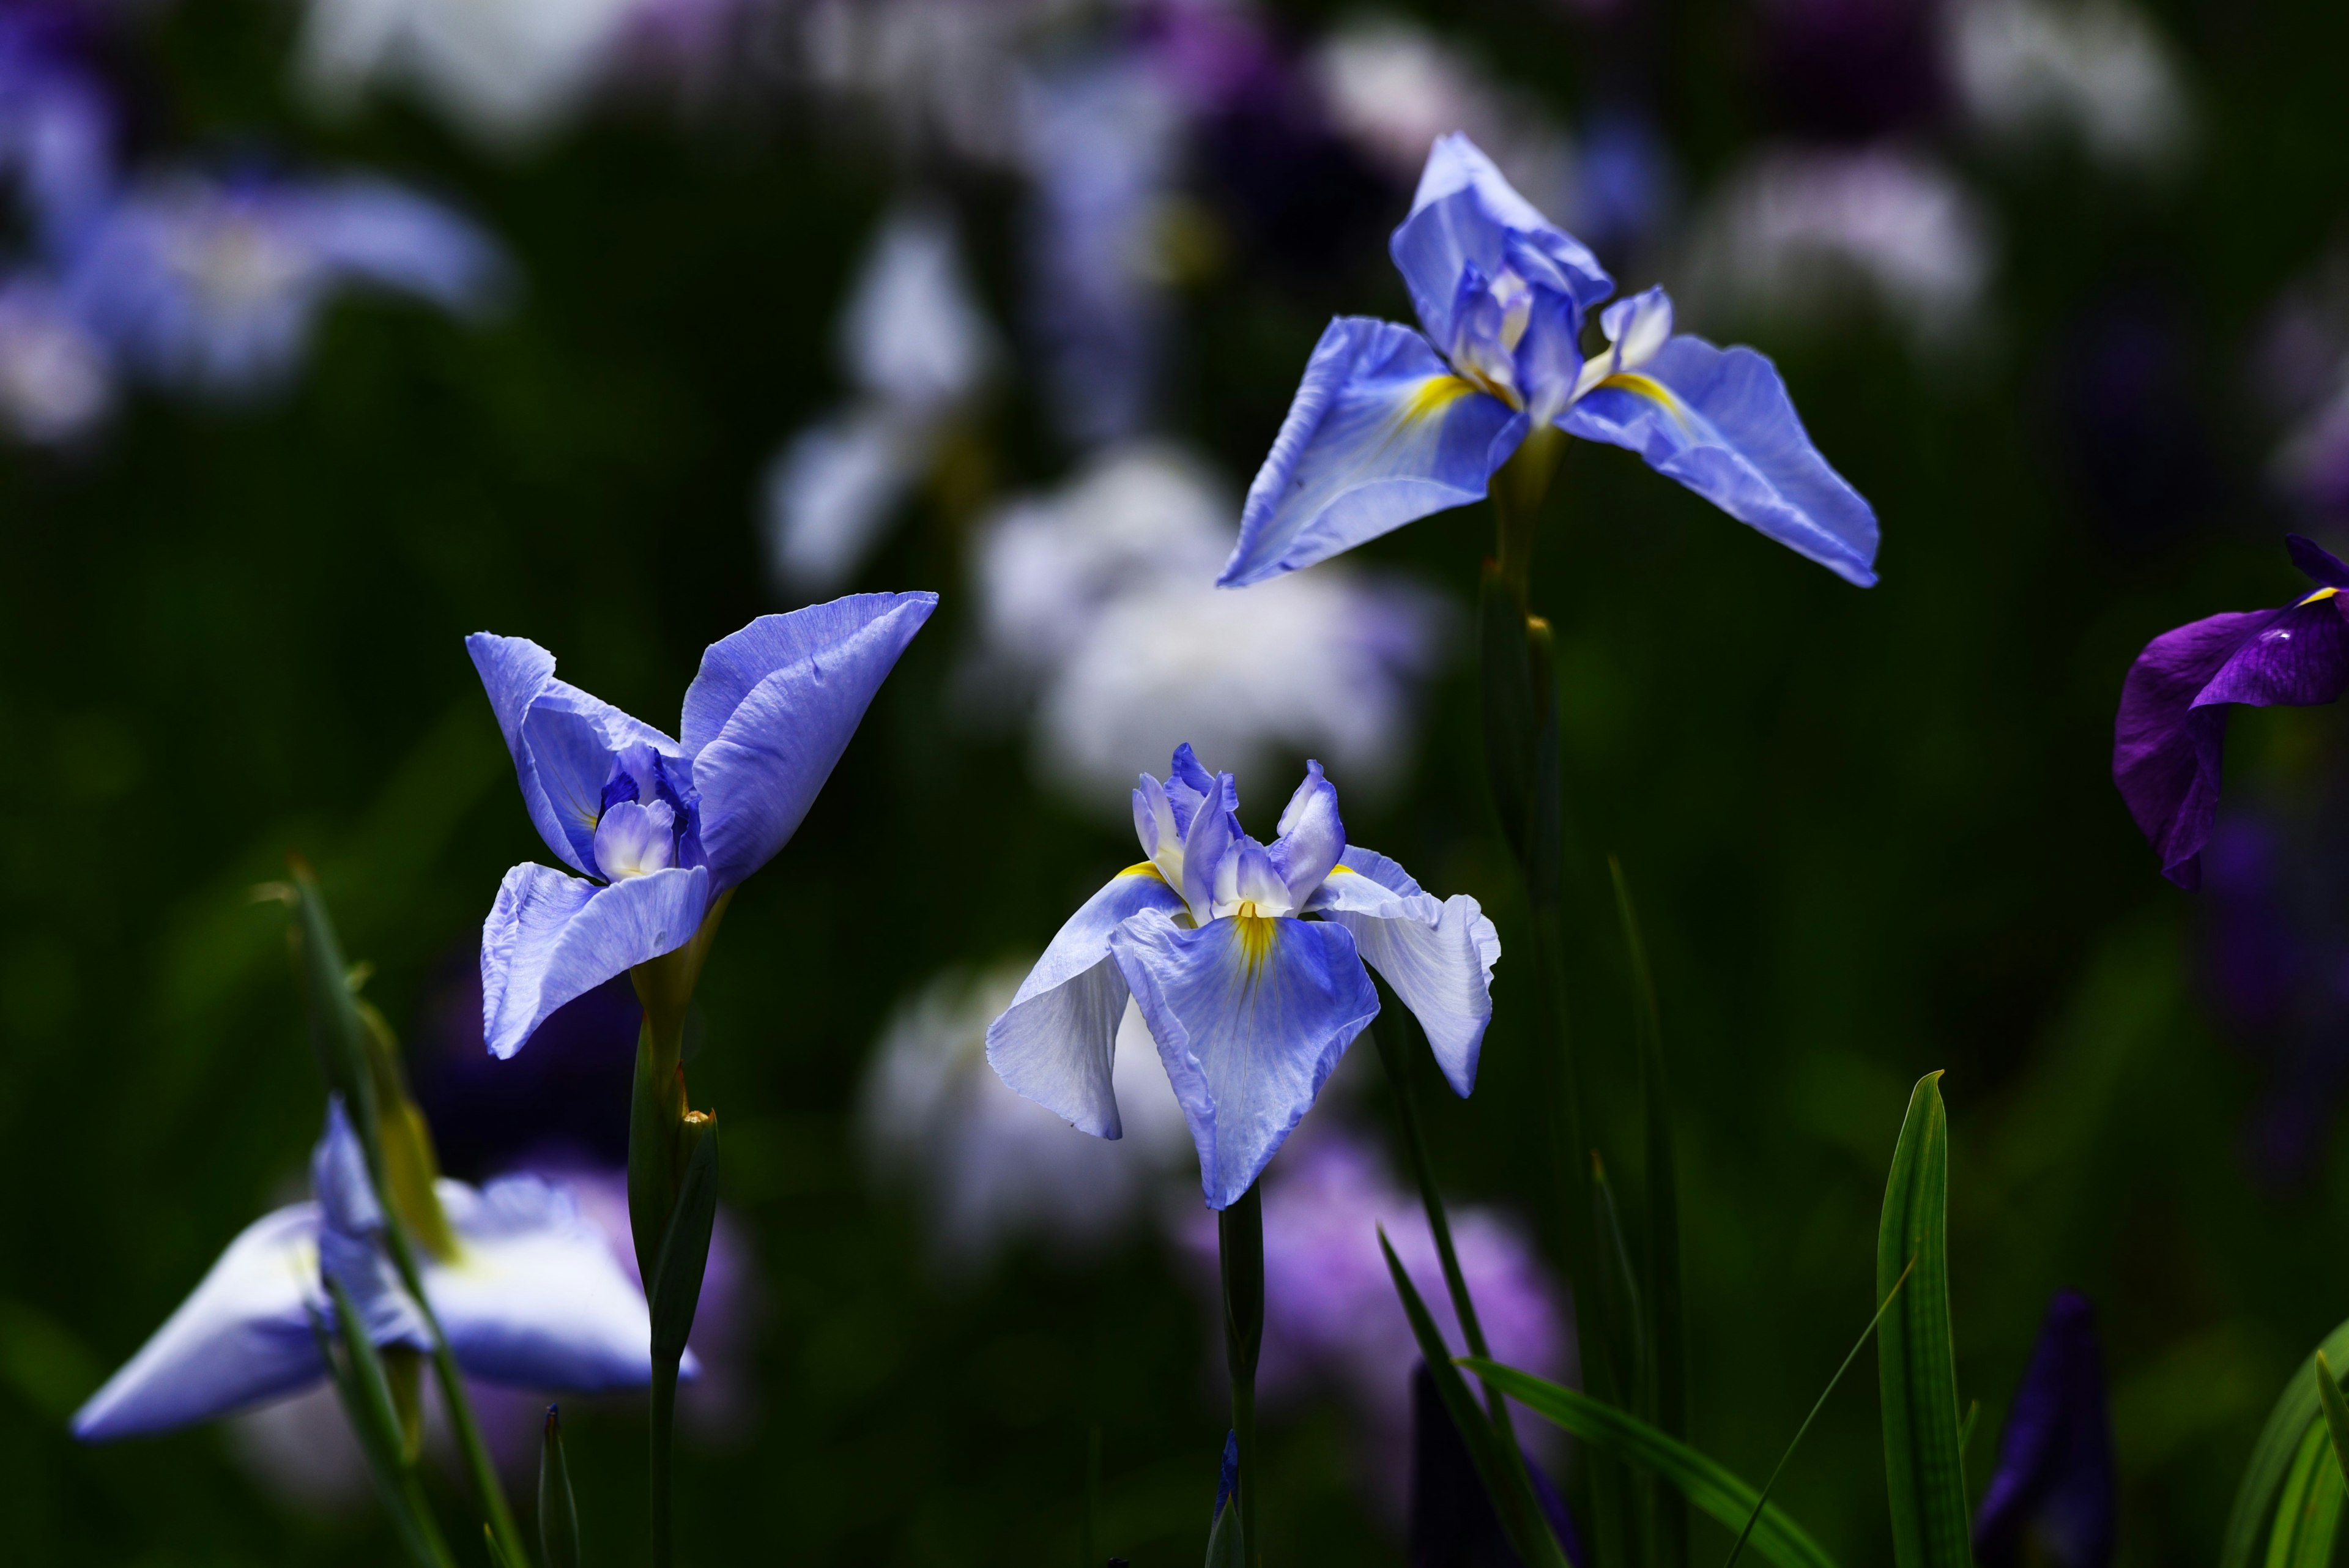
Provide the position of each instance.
(55, 381)
(1453, 1522)
(2097, 72)
(2169, 736)
(2052, 1498)
(1330, 1311)
(56, 124)
(215, 285)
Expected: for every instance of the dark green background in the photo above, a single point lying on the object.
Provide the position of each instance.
(1872, 833)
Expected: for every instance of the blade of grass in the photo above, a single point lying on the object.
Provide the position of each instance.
(2296, 1409)
(1915, 1357)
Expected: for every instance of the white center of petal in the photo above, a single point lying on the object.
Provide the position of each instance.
(633, 839)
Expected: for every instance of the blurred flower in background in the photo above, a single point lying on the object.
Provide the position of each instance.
(1097, 613)
(2299, 370)
(56, 118)
(1797, 235)
(1331, 1316)
(917, 350)
(56, 382)
(2096, 74)
(989, 1168)
(2054, 1497)
(214, 285)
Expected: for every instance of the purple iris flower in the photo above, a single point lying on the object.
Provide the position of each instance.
(661, 829)
(56, 122)
(2169, 737)
(2053, 1485)
(1390, 426)
(1246, 961)
(1453, 1522)
(216, 285)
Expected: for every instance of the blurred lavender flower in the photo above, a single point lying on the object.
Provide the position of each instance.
(988, 1167)
(917, 349)
(1250, 1003)
(506, 72)
(2053, 1497)
(1453, 1522)
(1077, 590)
(1389, 425)
(2169, 737)
(940, 75)
(57, 123)
(1331, 1317)
(55, 381)
(1099, 145)
(216, 285)
(526, 1292)
(2098, 72)
(1801, 235)
(667, 828)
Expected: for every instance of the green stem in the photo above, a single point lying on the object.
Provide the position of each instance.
(1239, 1238)
(664, 1424)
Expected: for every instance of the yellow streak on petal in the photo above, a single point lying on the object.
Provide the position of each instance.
(1655, 391)
(1144, 868)
(2319, 594)
(1255, 933)
(1432, 397)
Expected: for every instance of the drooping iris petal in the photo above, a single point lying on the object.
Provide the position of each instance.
(535, 1297)
(1381, 433)
(2169, 738)
(550, 938)
(1719, 420)
(1251, 1015)
(772, 708)
(1438, 955)
(350, 1238)
(1465, 212)
(243, 1337)
(1055, 1042)
(2055, 1482)
(1312, 838)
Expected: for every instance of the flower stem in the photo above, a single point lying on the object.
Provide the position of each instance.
(1239, 1236)
(664, 1424)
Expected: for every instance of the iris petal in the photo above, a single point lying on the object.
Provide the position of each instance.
(772, 708)
(1055, 1042)
(1311, 837)
(1251, 1015)
(1719, 420)
(1381, 433)
(1467, 213)
(241, 1336)
(1438, 955)
(550, 938)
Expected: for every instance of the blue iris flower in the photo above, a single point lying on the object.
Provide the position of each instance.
(664, 827)
(1390, 426)
(1246, 961)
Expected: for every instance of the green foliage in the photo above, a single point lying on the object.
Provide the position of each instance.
(1924, 1465)
(558, 1509)
(2291, 1491)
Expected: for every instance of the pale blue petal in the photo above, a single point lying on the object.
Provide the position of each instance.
(832, 492)
(377, 232)
(535, 1297)
(1055, 1042)
(1207, 842)
(1381, 433)
(772, 708)
(1438, 956)
(1248, 1037)
(242, 1337)
(1465, 212)
(550, 938)
(1719, 420)
(350, 1232)
(1311, 837)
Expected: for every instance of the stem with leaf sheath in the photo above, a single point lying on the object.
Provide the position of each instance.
(1239, 1238)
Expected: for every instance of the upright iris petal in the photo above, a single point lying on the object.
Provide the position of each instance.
(1388, 426)
(668, 825)
(2169, 737)
(2055, 1486)
(1247, 962)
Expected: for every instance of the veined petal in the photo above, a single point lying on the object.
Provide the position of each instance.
(1719, 420)
(1467, 213)
(1438, 955)
(1055, 1042)
(550, 938)
(1381, 433)
(1251, 1015)
(2169, 737)
(1311, 837)
(1207, 840)
(772, 708)
(243, 1337)
(535, 1296)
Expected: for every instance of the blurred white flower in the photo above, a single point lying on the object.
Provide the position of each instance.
(1098, 601)
(916, 348)
(506, 71)
(988, 1167)
(937, 73)
(2094, 69)
(1392, 86)
(1801, 235)
(56, 383)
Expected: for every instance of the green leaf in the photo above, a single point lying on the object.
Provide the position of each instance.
(685, 1249)
(358, 1377)
(1917, 1367)
(558, 1511)
(2336, 1411)
(1502, 1472)
(497, 1552)
(2308, 1511)
(1704, 1481)
(1509, 727)
(2297, 1409)
(1226, 1547)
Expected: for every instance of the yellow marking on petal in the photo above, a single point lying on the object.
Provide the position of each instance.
(2319, 594)
(1144, 868)
(1255, 933)
(1432, 397)
(1655, 391)
(1341, 866)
